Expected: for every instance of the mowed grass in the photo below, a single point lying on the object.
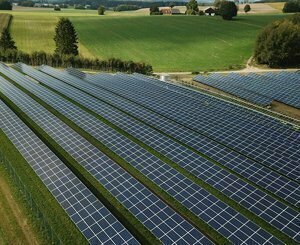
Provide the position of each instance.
(168, 43)
(33, 30)
(173, 43)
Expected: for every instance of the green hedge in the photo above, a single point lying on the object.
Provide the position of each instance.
(42, 58)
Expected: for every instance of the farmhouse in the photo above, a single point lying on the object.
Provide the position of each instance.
(209, 11)
(170, 11)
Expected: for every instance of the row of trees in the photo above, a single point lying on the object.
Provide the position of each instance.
(125, 7)
(5, 5)
(66, 53)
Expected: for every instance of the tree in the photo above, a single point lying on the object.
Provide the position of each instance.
(247, 8)
(228, 10)
(154, 10)
(5, 5)
(65, 38)
(291, 7)
(172, 5)
(101, 10)
(278, 43)
(192, 7)
(6, 42)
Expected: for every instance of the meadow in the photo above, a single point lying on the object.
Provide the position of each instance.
(168, 43)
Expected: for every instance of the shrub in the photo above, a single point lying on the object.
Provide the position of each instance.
(101, 10)
(278, 44)
(247, 8)
(56, 8)
(228, 10)
(201, 12)
(291, 7)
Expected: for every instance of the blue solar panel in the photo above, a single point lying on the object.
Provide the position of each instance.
(262, 176)
(75, 198)
(229, 124)
(191, 195)
(238, 190)
(283, 87)
(109, 174)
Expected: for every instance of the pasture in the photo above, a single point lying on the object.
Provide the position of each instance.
(168, 43)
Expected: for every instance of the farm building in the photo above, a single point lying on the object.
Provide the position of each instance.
(170, 11)
(209, 11)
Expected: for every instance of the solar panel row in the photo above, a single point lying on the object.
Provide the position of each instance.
(260, 175)
(242, 134)
(96, 223)
(168, 179)
(151, 211)
(266, 207)
(263, 89)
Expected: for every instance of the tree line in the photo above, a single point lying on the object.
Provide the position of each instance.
(66, 53)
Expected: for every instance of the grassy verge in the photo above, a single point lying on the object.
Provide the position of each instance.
(122, 214)
(56, 217)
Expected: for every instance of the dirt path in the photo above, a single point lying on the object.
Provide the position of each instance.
(14, 228)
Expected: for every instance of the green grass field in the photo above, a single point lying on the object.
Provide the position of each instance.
(168, 43)
(4, 21)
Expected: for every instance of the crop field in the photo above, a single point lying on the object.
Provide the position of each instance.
(168, 43)
(127, 158)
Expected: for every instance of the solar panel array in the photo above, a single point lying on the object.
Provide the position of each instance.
(91, 217)
(231, 137)
(192, 196)
(259, 89)
(266, 207)
(166, 224)
(259, 137)
(260, 175)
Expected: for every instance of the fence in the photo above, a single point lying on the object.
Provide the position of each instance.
(44, 226)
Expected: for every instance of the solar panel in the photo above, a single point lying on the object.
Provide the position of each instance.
(270, 144)
(160, 219)
(130, 152)
(260, 175)
(280, 87)
(255, 200)
(91, 217)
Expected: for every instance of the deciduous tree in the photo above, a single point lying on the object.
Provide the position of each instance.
(228, 10)
(278, 43)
